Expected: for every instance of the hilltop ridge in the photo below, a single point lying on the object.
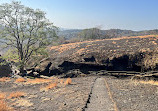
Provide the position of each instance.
(112, 33)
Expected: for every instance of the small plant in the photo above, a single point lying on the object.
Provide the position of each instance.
(16, 95)
(68, 81)
(20, 80)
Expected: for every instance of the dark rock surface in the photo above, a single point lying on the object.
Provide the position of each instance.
(71, 97)
(117, 54)
(5, 68)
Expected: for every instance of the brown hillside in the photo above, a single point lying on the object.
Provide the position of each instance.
(103, 49)
(125, 53)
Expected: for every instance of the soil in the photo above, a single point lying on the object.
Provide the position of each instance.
(71, 97)
(132, 96)
(125, 94)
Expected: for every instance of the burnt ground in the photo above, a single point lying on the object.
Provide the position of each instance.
(127, 94)
(62, 98)
(132, 96)
(117, 54)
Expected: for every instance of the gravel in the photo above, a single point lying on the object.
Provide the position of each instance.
(132, 96)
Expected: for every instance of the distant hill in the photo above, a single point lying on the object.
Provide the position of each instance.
(70, 33)
(112, 33)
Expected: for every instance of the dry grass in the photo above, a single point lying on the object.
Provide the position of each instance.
(151, 60)
(154, 42)
(114, 42)
(151, 82)
(23, 103)
(68, 81)
(66, 47)
(144, 36)
(4, 106)
(37, 81)
(80, 51)
(17, 94)
(2, 95)
(4, 79)
(49, 86)
(61, 81)
(20, 80)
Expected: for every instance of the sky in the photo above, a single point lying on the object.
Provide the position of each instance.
(107, 14)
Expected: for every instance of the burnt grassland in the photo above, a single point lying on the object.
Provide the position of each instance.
(137, 53)
(51, 94)
(115, 59)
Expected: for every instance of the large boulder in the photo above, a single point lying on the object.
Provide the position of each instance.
(5, 69)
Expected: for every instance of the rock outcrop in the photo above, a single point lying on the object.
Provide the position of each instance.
(5, 69)
(126, 53)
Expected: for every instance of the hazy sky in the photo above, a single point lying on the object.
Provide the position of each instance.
(122, 14)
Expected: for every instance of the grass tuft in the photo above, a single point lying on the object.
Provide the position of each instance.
(20, 80)
(68, 81)
(49, 86)
(4, 79)
(16, 95)
(151, 82)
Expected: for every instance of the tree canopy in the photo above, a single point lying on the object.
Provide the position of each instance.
(25, 30)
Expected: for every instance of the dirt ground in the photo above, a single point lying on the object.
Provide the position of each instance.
(133, 96)
(127, 94)
(71, 97)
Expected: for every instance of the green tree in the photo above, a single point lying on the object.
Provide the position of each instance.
(92, 33)
(25, 29)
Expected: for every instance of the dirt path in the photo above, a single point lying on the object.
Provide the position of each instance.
(100, 98)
